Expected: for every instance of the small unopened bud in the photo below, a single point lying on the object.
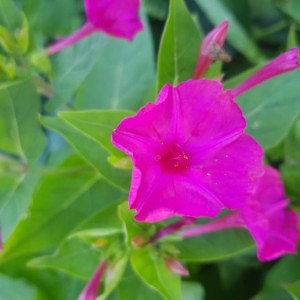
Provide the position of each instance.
(212, 49)
(176, 267)
(138, 241)
(283, 63)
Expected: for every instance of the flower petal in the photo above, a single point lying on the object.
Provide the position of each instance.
(164, 195)
(231, 173)
(209, 115)
(118, 18)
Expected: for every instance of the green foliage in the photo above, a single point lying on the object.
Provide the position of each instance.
(151, 268)
(64, 186)
(178, 51)
(214, 246)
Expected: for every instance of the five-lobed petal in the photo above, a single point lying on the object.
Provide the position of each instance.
(190, 153)
(117, 18)
(270, 222)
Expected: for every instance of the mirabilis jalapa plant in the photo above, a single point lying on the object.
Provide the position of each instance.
(192, 159)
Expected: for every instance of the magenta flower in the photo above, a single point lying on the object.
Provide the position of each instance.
(272, 225)
(90, 291)
(285, 62)
(191, 155)
(211, 49)
(118, 18)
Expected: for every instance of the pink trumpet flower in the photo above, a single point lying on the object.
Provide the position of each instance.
(90, 291)
(273, 226)
(190, 153)
(118, 18)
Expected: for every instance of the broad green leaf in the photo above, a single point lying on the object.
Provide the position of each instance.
(91, 151)
(19, 109)
(10, 15)
(13, 28)
(11, 174)
(214, 246)
(271, 108)
(292, 145)
(49, 20)
(132, 228)
(179, 46)
(291, 177)
(157, 8)
(97, 125)
(71, 66)
(12, 289)
(66, 197)
(103, 223)
(192, 291)
(291, 8)
(294, 289)
(285, 271)
(74, 256)
(49, 284)
(153, 271)
(292, 40)
(133, 287)
(237, 35)
(16, 201)
(104, 72)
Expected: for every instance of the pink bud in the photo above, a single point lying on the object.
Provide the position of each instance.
(176, 267)
(285, 62)
(91, 289)
(211, 49)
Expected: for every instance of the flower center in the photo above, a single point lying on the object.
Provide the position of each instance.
(173, 158)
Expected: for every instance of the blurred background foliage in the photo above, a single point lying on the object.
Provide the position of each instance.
(54, 176)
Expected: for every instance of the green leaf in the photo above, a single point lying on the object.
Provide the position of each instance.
(13, 28)
(291, 8)
(49, 284)
(132, 228)
(192, 291)
(16, 201)
(285, 271)
(291, 178)
(103, 223)
(179, 47)
(141, 290)
(292, 40)
(13, 289)
(214, 246)
(292, 144)
(19, 109)
(10, 15)
(157, 8)
(237, 36)
(91, 151)
(294, 289)
(66, 197)
(271, 108)
(74, 256)
(153, 271)
(97, 125)
(87, 67)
